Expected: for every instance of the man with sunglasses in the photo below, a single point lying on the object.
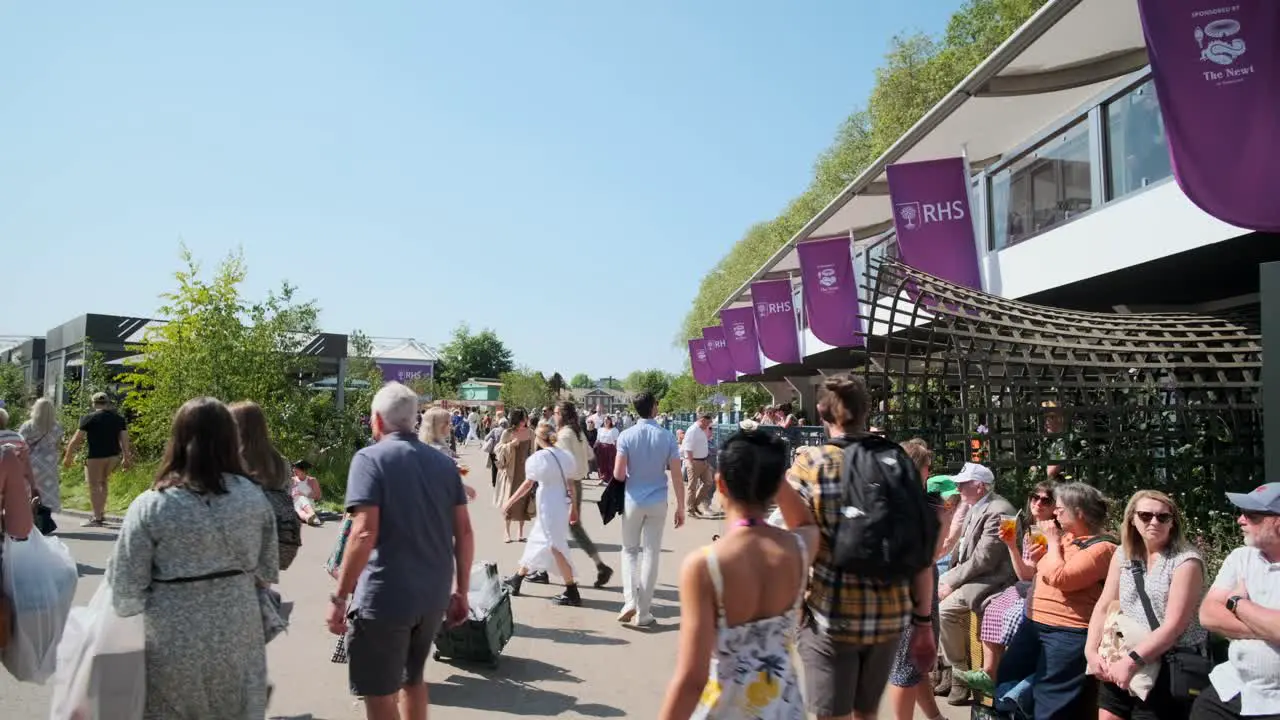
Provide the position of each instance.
(1244, 605)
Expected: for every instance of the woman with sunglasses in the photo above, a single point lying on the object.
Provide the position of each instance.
(1154, 547)
(1005, 612)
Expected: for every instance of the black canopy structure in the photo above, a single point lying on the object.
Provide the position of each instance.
(1122, 401)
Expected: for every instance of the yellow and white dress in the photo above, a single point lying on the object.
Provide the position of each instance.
(753, 672)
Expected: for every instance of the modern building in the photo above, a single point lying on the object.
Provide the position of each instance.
(51, 361)
(28, 354)
(1073, 201)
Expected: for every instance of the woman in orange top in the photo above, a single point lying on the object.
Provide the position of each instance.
(1069, 581)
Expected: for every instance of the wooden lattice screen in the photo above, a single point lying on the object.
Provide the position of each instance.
(1120, 401)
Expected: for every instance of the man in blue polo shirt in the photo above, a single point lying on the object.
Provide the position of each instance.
(648, 461)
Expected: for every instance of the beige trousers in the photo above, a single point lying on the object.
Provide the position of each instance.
(96, 472)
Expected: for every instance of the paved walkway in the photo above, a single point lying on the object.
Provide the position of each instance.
(563, 662)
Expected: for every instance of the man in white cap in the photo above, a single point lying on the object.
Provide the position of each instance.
(980, 568)
(1244, 605)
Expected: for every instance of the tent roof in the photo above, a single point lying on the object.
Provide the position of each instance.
(1063, 56)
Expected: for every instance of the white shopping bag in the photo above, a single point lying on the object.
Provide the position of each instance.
(102, 668)
(40, 581)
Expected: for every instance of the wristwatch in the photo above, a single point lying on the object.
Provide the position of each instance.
(1232, 602)
(338, 599)
(921, 619)
(1134, 656)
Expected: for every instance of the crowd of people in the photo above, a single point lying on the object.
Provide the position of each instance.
(809, 601)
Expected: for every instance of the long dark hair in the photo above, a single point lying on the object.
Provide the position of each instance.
(569, 417)
(202, 447)
(265, 465)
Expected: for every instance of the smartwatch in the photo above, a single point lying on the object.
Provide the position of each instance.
(1232, 602)
(921, 619)
(1134, 656)
(338, 599)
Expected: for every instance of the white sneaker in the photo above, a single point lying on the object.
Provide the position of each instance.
(645, 622)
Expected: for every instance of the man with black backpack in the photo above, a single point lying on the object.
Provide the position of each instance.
(873, 576)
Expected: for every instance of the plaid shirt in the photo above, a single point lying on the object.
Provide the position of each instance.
(864, 611)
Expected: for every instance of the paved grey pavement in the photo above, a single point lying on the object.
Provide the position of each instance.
(562, 662)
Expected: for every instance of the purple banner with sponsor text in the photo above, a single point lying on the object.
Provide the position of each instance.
(403, 372)
(718, 354)
(740, 337)
(933, 221)
(830, 292)
(775, 315)
(1216, 67)
(702, 372)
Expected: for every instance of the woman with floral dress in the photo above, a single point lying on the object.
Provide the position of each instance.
(44, 439)
(738, 630)
(191, 554)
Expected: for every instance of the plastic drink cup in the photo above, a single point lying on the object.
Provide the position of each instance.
(1038, 538)
(1008, 526)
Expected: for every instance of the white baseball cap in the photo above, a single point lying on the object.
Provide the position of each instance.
(973, 472)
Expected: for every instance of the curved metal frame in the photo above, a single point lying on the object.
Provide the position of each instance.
(1120, 401)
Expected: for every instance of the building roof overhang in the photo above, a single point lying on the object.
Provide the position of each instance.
(1064, 55)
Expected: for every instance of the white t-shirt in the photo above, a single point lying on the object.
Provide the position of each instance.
(1252, 670)
(608, 436)
(695, 442)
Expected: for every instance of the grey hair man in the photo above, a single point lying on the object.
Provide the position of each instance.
(408, 503)
(1244, 605)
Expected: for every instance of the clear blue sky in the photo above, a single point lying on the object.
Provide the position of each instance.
(563, 172)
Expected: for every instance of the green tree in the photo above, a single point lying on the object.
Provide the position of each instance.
(13, 391)
(917, 72)
(556, 385)
(582, 381)
(653, 381)
(524, 388)
(469, 355)
(215, 342)
(684, 394)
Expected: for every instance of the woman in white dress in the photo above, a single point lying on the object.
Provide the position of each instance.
(548, 546)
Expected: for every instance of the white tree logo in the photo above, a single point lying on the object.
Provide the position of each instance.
(909, 212)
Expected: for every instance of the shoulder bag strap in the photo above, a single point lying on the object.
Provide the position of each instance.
(1140, 585)
(563, 477)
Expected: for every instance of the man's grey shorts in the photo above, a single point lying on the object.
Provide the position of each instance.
(385, 655)
(840, 678)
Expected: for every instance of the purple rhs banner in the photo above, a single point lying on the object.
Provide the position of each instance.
(830, 293)
(933, 221)
(775, 315)
(718, 354)
(1216, 67)
(702, 372)
(403, 372)
(740, 337)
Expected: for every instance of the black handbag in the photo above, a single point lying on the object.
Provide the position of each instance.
(1187, 668)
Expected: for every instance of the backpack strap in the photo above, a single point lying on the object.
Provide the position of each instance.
(717, 582)
(1090, 542)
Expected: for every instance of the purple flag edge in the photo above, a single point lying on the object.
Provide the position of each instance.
(744, 353)
(719, 360)
(850, 333)
(701, 370)
(786, 347)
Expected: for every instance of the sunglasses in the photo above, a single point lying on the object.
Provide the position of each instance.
(1147, 517)
(1046, 499)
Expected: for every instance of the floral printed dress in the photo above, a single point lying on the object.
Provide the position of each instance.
(752, 670)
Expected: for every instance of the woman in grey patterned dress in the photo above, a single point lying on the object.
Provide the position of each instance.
(44, 437)
(190, 554)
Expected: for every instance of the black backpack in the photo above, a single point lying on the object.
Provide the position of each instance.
(887, 528)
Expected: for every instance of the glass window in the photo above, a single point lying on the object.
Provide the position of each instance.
(1043, 188)
(1137, 153)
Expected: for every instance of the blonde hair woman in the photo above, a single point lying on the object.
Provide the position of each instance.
(1154, 548)
(553, 469)
(435, 430)
(44, 440)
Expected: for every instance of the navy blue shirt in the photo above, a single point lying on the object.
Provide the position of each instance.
(416, 488)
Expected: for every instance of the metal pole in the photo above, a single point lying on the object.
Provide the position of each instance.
(1269, 284)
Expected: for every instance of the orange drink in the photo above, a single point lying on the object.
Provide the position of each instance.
(463, 470)
(1038, 538)
(1008, 527)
